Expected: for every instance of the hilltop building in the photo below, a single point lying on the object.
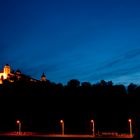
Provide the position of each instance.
(18, 74)
(5, 73)
(43, 77)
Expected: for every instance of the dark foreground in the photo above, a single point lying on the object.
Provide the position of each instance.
(35, 136)
(50, 138)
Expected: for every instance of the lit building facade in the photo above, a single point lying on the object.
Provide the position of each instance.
(4, 74)
(11, 76)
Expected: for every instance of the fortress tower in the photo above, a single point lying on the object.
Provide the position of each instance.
(43, 77)
(4, 74)
(6, 70)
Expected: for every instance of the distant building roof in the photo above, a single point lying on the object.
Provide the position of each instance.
(43, 75)
(6, 65)
(18, 71)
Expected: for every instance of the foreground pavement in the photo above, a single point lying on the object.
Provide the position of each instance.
(32, 134)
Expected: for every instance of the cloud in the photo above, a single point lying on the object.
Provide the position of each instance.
(121, 65)
(126, 64)
(121, 60)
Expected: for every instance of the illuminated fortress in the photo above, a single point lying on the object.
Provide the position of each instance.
(5, 73)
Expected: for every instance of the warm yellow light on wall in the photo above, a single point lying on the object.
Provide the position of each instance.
(4, 75)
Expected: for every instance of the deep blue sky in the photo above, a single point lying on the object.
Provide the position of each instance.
(88, 40)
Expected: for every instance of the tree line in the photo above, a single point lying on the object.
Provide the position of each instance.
(41, 104)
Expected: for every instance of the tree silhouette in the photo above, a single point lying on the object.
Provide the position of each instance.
(42, 104)
(73, 83)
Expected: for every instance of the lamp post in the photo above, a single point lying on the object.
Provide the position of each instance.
(19, 127)
(62, 123)
(130, 126)
(93, 128)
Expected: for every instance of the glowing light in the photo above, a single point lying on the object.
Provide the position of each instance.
(18, 121)
(92, 121)
(129, 120)
(61, 121)
(5, 72)
(5, 75)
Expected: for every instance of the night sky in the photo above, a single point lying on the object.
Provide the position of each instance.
(88, 40)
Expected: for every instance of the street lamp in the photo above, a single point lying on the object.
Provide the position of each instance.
(19, 126)
(93, 128)
(130, 126)
(62, 123)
